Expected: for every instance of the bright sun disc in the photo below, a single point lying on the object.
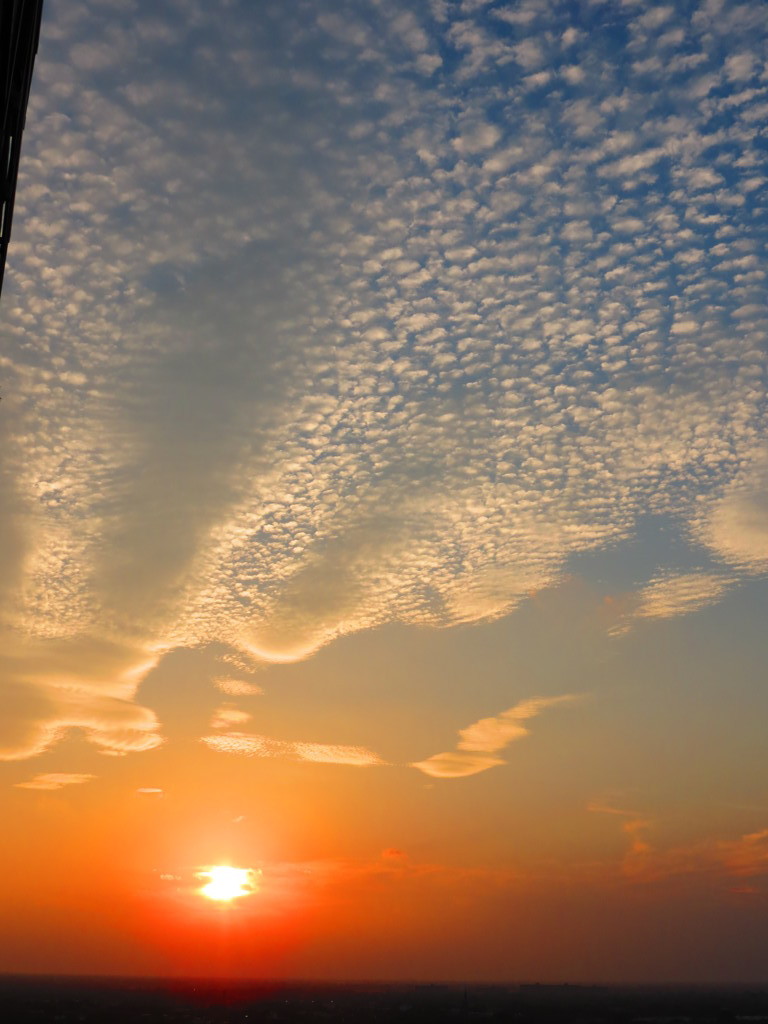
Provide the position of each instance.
(225, 883)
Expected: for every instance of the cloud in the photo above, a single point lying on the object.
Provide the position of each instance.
(680, 594)
(244, 744)
(227, 716)
(746, 856)
(289, 881)
(739, 66)
(55, 780)
(250, 745)
(491, 734)
(479, 741)
(237, 687)
(477, 137)
(424, 336)
(737, 526)
(324, 753)
(456, 764)
(50, 687)
(717, 860)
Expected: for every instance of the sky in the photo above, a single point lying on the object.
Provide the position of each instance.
(384, 492)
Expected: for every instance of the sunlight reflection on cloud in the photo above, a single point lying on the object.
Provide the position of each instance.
(472, 295)
(479, 741)
(249, 745)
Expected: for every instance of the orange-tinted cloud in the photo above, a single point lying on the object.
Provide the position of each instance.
(251, 745)
(51, 686)
(234, 687)
(479, 741)
(748, 855)
(227, 716)
(456, 764)
(55, 780)
(745, 856)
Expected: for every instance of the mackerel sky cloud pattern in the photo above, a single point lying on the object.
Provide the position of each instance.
(319, 319)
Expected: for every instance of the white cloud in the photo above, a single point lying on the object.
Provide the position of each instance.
(633, 163)
(477, 137)
(739, 66)
(684, 327)
(655, 17)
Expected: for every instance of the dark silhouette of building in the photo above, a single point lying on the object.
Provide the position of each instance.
(19, 33)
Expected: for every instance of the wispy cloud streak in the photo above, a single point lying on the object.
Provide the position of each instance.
(55, 780)
(481, 740)
(253, 745)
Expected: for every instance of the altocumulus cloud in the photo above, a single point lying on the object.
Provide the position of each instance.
(674, 594)
(367, 315)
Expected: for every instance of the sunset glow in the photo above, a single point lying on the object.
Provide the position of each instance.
(384, 492)
(226, 883)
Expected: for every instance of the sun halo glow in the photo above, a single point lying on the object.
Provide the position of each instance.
(225, 883)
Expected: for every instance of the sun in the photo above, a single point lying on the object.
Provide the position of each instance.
(226, 883)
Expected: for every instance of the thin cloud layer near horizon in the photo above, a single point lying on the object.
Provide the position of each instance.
(372, 369)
